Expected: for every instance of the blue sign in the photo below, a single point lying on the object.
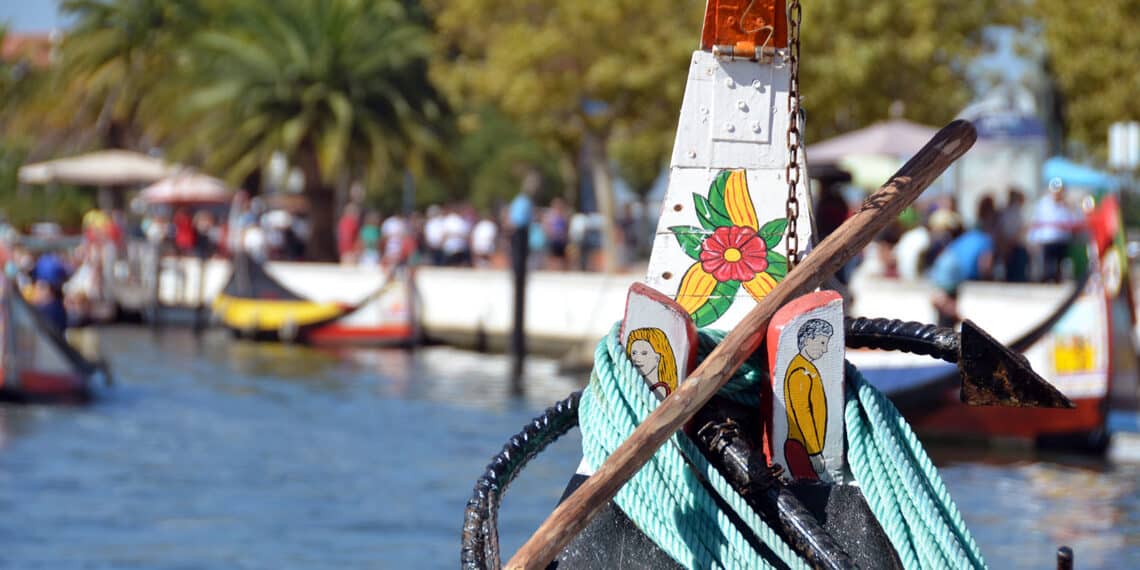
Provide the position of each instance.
(1008, 125)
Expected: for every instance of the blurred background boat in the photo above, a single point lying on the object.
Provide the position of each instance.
(37, 363)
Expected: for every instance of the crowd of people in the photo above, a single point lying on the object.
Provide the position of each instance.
(1008, 240)
(453, 234)
(458, 234)
(61, 281)
(1014, 242)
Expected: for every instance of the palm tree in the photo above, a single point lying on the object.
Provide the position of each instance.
(113, 60)
(11, 72)
(338, 86)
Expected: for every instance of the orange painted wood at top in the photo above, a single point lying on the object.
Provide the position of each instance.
(741, 23)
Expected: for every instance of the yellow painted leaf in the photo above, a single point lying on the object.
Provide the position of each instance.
(695, 288)
(761, 285)
(738, 201)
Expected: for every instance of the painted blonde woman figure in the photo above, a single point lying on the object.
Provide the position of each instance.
(649, 350)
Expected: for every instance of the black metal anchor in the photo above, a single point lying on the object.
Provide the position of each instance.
(991, 373)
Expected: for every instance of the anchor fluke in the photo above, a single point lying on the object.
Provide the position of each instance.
(993, 375)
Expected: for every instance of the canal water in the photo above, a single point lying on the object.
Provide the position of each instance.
(211, 453)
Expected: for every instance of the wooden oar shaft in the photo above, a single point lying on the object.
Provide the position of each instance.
(569, 518)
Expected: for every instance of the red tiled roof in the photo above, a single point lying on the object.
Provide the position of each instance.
(34, 48)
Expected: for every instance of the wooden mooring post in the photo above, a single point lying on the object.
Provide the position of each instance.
(1064, 558)
(520, 251)
(200, 295)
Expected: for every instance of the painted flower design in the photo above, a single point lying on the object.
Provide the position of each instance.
(734, 253)
(730, 250)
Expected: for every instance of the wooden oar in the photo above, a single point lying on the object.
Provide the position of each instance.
(880, 209)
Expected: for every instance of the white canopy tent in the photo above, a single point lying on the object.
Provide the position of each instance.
(101, 168)
(872, 154)
(897, 138)
(186, 187)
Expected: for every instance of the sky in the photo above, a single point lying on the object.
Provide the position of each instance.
(30, 15)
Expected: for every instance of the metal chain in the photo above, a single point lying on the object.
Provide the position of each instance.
(794, 136)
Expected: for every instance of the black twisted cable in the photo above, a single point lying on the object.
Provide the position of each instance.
(480, 521)
(908, 336)
(722, 440)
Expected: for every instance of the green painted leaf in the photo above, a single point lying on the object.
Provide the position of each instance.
(777, 265)
(716, 192)
(710, 219)
(690, 239)
(718, 303)
(772, 231)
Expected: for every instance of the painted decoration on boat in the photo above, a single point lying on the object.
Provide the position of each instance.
(659, 338)
(804, 433)
(730, 250)
(1106, 229)
(762, 23)
(720, 239)
(1078, 345)
(651, 353)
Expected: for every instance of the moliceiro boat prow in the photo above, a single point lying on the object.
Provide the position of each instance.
(38, 364)
(255, 304)
(761, 446)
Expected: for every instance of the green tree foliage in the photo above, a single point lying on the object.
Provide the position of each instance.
(8, 70)
(486, 157)
(576, 74)
(22, 207)
(542, 61)
(112, 62)
(495, 152)
(337, 85)
(21, 84)
(1093, 51)
(640, 156)
(860, 57)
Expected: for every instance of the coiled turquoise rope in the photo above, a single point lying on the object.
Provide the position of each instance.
(902, 485)
(668, 501)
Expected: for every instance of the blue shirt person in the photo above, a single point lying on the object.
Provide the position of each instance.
(968, 257)
(49, 275)
(521, 211)
(52, 270)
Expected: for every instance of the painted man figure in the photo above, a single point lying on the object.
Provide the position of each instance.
(806, 402)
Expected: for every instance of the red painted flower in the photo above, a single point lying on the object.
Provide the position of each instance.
(734, 253)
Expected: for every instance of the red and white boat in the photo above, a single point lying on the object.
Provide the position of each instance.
(1087, 351)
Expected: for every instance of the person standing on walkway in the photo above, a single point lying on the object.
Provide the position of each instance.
(1054, 224)
(434, 234)
(369, 240)
(1012, 252)
(555, 225)
(395, 233)
(484, 237)
(520, 215)
(456, 238)
(347, 233)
